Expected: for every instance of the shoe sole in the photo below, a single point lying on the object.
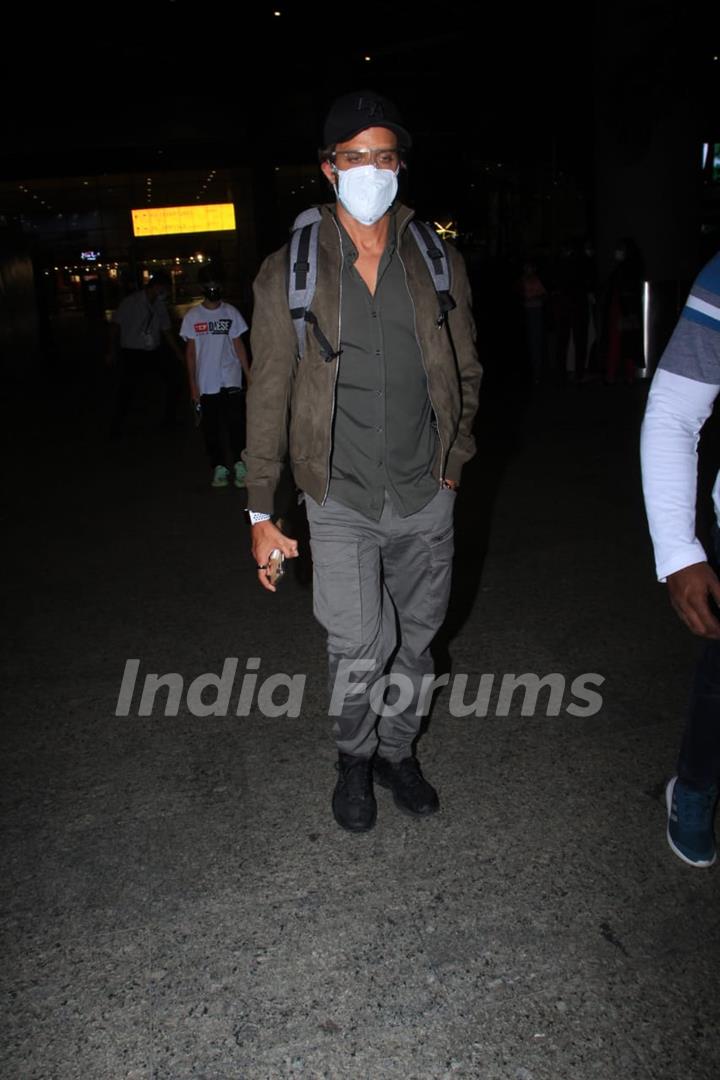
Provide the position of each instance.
(700, 863)
(401, 806)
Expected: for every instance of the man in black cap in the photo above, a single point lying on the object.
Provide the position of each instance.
(376, 411)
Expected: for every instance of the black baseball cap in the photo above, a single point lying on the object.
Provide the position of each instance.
(211, 285)
(362, 109)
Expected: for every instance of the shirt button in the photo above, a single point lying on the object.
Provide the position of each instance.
(378, 429)
(379, 393)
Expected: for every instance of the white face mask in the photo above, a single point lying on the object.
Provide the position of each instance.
(366, 192)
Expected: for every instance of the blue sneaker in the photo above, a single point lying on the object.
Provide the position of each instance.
(690, 822)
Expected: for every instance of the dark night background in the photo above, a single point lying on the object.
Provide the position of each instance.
(174, 85)
(532, 125)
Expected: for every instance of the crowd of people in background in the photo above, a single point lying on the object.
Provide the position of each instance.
(571, 326)
(549, 319)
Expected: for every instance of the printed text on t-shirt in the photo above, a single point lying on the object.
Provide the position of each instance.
(219, 326)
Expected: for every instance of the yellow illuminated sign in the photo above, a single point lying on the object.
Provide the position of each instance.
(166, 220)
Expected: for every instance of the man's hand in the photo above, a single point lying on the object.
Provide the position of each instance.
(689, 589)
(265, 538)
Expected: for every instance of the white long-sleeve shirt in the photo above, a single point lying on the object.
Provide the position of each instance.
(681, 399)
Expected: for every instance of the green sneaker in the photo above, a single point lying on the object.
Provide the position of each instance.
(240, 474)
(221, 477)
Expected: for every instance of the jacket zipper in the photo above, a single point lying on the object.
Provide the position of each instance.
(422, 361)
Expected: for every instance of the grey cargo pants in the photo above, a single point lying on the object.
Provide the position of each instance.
(381, 591)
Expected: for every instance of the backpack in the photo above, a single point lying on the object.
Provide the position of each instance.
(302, 278)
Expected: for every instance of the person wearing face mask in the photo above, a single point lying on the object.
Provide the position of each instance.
(142, 342)
(377, 423)
(216, 361)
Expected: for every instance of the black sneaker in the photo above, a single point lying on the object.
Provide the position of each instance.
(353, 801)
(410, 789)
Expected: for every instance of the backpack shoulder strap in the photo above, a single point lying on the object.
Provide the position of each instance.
(302, 277)
(434, 252)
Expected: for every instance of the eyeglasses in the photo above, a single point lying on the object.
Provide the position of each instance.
(381, 158)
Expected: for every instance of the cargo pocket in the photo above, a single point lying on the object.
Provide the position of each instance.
(337, 598)
(442, 549)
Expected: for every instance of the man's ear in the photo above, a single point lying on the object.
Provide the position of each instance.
(328, 171)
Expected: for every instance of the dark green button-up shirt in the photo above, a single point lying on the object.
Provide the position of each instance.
(384, 439)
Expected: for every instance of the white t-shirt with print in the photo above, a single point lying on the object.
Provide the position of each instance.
(213, 331)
